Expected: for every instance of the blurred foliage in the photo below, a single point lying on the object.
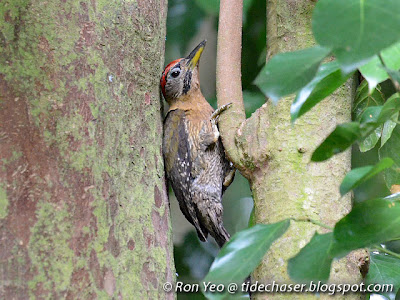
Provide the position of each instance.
(363, 100)
(374, 73)
(384, 269)
(183, 21)
(191, 253)
(376, 186)
(254, 44)
(360, 175)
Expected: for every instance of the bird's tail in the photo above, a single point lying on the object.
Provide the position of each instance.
(210, 221)
(220, 235)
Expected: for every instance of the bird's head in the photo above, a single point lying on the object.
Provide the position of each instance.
(181, 77)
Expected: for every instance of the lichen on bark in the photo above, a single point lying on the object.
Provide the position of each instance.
(82, 169)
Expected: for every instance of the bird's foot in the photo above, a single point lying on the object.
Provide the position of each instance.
(215, 130)
(229, 176)
(215, 116)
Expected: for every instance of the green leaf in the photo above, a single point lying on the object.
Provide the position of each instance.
(339, 140)
(370, 133)
(388, 128)
(329, 77)
(366, 27)
(313, 262)
(286, 73)
(374, 72)
(369, 222)
(391, 150)
(371, 140)
(252, 101)
(346, 134)
(359, 175)
(393, 197)
(395, 76)
(384, 269)
(374, 116)
(363, 100)
(370, 115)
(389, 109)
(241, 255)
(252, 219)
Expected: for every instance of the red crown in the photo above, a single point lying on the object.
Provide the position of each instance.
(163, 80)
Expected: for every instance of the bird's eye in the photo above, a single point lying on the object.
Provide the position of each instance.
(175, 73)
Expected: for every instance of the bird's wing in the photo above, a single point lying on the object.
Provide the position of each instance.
(179, 165)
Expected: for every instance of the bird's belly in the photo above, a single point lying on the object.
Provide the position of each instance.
(208, 171)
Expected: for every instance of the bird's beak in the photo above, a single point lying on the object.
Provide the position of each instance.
(194, 56)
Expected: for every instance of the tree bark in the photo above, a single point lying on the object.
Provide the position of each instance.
(275, 155)
(84, 211)
(291, 186)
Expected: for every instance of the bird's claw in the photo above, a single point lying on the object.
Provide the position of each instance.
(215, 116)
(215, 130)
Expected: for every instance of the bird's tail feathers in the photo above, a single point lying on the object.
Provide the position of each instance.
(221, 236)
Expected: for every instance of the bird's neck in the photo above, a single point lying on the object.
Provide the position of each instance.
(193, 101)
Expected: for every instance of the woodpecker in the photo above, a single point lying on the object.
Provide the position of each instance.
(194, 157)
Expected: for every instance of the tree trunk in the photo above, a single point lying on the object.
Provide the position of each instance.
(274, 154)
(83, 204)
(291, 186)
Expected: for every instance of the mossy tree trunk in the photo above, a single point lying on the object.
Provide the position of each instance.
(292, 186)
(83, 202)
(275, 154)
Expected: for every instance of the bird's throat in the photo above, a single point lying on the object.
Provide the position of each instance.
(194, 101)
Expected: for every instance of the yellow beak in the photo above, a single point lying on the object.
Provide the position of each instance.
(194, 56)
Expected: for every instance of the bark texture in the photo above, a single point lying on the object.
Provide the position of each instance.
(84, 211)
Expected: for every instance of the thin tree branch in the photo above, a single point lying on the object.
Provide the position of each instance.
(229, 78)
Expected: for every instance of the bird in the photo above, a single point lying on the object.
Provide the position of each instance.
(195, 161)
